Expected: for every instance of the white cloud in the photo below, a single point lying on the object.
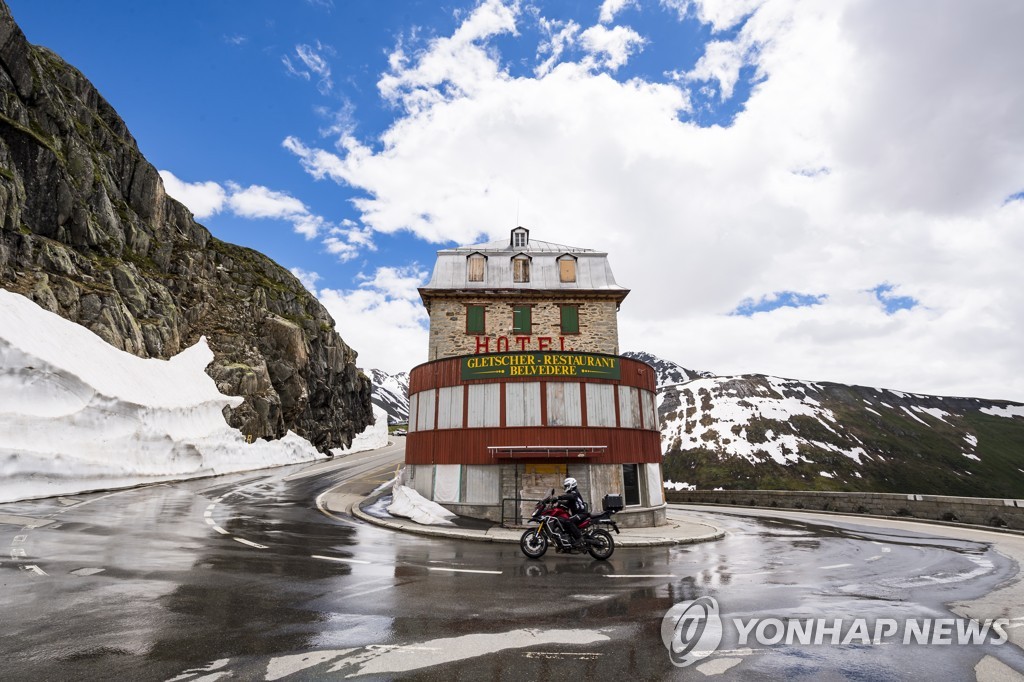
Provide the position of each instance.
(311, 61)
(609, 8)
(560, 35)
(383, 318)
(878, 145)
(308, 279)
(204, 199)
(614, 44)
(257, 202)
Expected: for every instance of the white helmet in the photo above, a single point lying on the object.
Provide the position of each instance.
(569, 484)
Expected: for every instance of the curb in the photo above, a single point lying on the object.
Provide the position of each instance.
(357, 511)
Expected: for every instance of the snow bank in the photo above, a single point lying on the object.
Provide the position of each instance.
(1008, 411)
(408, 503)
(373, 436)
(77, 414)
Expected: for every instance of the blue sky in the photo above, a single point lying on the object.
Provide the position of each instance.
(827, 192)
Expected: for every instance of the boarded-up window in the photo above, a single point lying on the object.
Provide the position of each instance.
(567, 269)
(425, 410)
(475, 320)
(521, 319)
(629, 407)
(449, 407)
(484, 405)
(600, 405)
(655, 487)
(448, 483)
(570, 319)
(414, 400)
(475, 268)
(482, 484)
(520, 269)
(564, 406)
(522, 402)
(650, 411)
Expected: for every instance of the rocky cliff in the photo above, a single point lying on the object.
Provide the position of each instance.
(88, 232)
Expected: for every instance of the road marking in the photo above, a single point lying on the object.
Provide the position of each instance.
(825, 568)
(18, 539)
(874, 558)
(251, 544)
(338, 558)
(35, 569)
(26, 521)
(87, 571)
(562, 654)
(886, 550)
(639, 575)
(221, 530)
(208, 514)
(17, 552)
(461, 570)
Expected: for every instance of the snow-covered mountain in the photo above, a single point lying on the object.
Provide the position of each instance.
(756, 431)
(391, 393)
(669, 373)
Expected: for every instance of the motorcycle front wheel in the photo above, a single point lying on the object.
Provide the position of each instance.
(533, 544)
(600, 544)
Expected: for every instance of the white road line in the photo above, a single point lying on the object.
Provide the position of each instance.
(208, 514)
(639, 575)
(220, 530)
(874, 558)
(35, 569)
(825, 568)
(886, 550)
(461, 570)
(338, 558)
(251, 544)
(210, 521)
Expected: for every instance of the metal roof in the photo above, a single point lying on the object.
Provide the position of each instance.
(593, 273)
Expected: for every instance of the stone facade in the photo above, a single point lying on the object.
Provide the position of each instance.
(598, 326)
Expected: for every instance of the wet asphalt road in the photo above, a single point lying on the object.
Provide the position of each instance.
(242, 577)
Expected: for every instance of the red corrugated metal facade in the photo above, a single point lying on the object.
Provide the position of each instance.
(470, 445)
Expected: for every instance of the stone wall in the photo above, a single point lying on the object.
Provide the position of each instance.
(983, 511)
(599, 331)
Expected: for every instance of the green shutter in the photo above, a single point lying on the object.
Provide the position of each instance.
(475, 319)
(570, 319)
(521, 322)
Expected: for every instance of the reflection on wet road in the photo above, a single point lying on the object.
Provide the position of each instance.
(242, 577)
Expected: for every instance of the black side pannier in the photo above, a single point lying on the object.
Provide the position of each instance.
(613, 503)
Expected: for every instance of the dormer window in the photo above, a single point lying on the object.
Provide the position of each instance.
(476, 267)
(567, 268)
(521, 268)
(520, 238)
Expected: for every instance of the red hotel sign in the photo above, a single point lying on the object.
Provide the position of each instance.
(560, 365)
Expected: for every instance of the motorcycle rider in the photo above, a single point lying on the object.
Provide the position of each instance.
(574, 502)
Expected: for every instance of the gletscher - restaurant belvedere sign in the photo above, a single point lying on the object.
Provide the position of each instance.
(550, 365)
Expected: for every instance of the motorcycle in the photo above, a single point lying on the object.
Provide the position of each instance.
(553, 518)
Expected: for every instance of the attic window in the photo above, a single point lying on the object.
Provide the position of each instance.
(567, 268)
(520, 238)
(475, 267)
(521, 269)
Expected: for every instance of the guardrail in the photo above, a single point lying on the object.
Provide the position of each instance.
(982, 511)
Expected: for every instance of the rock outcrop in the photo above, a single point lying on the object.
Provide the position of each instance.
(88, 232)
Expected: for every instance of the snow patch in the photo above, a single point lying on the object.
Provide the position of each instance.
(1008, 411)
(410, 504)
(972, 440)
(913, 416)
(372, 437)
(934, 412)
(671, 485)
(77, 414)
(826, 474)
(970, 456)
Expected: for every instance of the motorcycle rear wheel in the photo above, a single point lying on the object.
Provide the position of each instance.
(532, 544)
(603, 545)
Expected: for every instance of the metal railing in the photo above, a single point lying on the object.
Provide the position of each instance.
(516, 518)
